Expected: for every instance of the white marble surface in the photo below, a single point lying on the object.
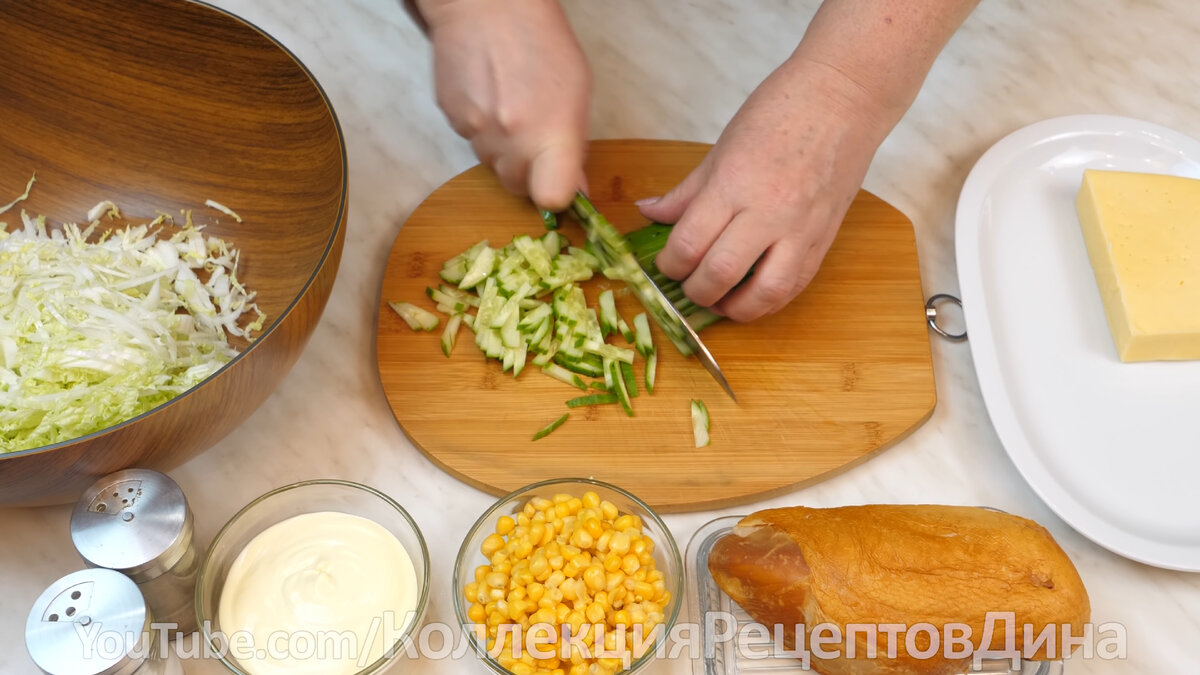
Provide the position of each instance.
(678, 69)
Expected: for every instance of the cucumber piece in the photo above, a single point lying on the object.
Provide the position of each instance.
(651, 371)
(608, 313)
(592, 399)
(553, 242)
(450, 334)
(480, 269)
(417, 319)
(454, 271)
(643, 342)
(519, 356)
(582, 366)
(534, 254)
(608, 351)
(551, 428)
(626, 332)
(630, 380)
(600, 386)
(700, 423)
(584, 257)
(563, 375)
(618, 387)
(549, 220)
(534, 318)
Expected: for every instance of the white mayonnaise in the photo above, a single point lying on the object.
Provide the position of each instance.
(323, 593)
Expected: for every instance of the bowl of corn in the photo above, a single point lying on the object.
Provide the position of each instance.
(568, 577)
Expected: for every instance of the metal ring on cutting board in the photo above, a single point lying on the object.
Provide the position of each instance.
(931, 316)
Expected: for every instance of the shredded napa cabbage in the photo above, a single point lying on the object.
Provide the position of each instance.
(97, 329)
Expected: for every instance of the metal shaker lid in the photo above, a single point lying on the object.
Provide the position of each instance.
(91, 622)
(134, 521)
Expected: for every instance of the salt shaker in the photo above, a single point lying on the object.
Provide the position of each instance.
(93, 622)
(137, 522)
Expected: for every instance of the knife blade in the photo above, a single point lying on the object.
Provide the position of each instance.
(619, 262)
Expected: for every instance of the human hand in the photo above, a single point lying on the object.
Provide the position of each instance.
(512, 79)
(773, 190)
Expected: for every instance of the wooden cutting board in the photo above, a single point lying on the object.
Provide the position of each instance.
(840, 374)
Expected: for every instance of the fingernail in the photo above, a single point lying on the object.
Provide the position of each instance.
(648, 201)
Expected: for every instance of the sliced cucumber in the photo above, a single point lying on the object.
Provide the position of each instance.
(700, 423)
(608, 351)
(630, 380)
(563, 375)
(552, 427)
(608, 313)
(415, 317)
(643, 342)
(651, 371)
(626, 332)
(618, 387)
(480, 269)
(592, 399)
(450, 334)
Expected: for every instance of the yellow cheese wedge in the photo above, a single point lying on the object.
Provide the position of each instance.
(1143, 237)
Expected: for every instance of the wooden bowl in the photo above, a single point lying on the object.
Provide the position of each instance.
(161, 105)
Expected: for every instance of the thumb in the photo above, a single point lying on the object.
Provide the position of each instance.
(556, 173)
(670, 207)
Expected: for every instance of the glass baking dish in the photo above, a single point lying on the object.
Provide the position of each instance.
(745, 654)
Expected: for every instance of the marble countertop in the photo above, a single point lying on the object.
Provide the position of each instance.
(677, 69)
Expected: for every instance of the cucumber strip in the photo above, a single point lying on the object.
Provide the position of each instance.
(488, 304)
(530, 303)
(417, 319)
(456, 308)
(600, 386)
(609, 384)
(454, 271)
(552, 427)
(626, 332)
(608, 313)
(549, 220)
(584, 257)
(609, 351)
(538, 339)
(534, 254)
(519, 356)
(651, 371)
(592, 326)
(480, 269)
(446, 293)
(619, 388)
(563, 375)
(534, 318)
(575, 365)
(450, 334)
(508, 360)
(630, 380)
(700, 423)
(553, 242)
(509, 334)
(592, 399)
(542, 359)
(701, 319)
(643, 342)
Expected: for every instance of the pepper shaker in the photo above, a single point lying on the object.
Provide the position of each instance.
(137, 522)
(93, 622)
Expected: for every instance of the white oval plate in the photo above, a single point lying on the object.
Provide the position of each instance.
(1112, 447)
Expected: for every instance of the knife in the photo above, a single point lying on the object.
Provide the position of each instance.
(620, 263)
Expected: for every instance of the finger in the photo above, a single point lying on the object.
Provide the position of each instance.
(557, 173)
(706, 216)
(737, 248)
(670, 207)
(513, 171)
(776, 280)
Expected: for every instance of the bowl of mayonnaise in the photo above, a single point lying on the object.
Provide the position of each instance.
(323, 576)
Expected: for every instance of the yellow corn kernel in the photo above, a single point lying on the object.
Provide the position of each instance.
(528, 510)
(535, 591)
(515, 594)
(578, 669)
(582, 539)
(595, 613)
(496, 580)
(612, 562)
(476, 613)
(619, 543)
(539, 566)
(556, 577)
(643, 591)
(561, 613)
(637, 614)
(571, 569)
(523, 520)
(576, 620)
(556, 562)
(523, 549)
(613, 580)
(616, 597)
(547, 537)
(607, 666)
(660, 588)
(471, 591)
(591, 500)
(495, 593)
(505, 525)
(602, 542)
(542, 615)
(594, 527)
(610, 640)
(623, 523)
(593, 576)
(562, 498)
(630, 564)
(655, 575)
(602, 598)
(620, 618)
(537, 517)
(562, 510)
(568, 589)
(520, 668)
(540, 503)
(536, 531)
(482, 571)
(574, 504)
(609, 510)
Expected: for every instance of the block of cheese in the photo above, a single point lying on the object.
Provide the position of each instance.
(1143, 238)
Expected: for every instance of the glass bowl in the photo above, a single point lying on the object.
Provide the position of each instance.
(666, 558)
(294, 500)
